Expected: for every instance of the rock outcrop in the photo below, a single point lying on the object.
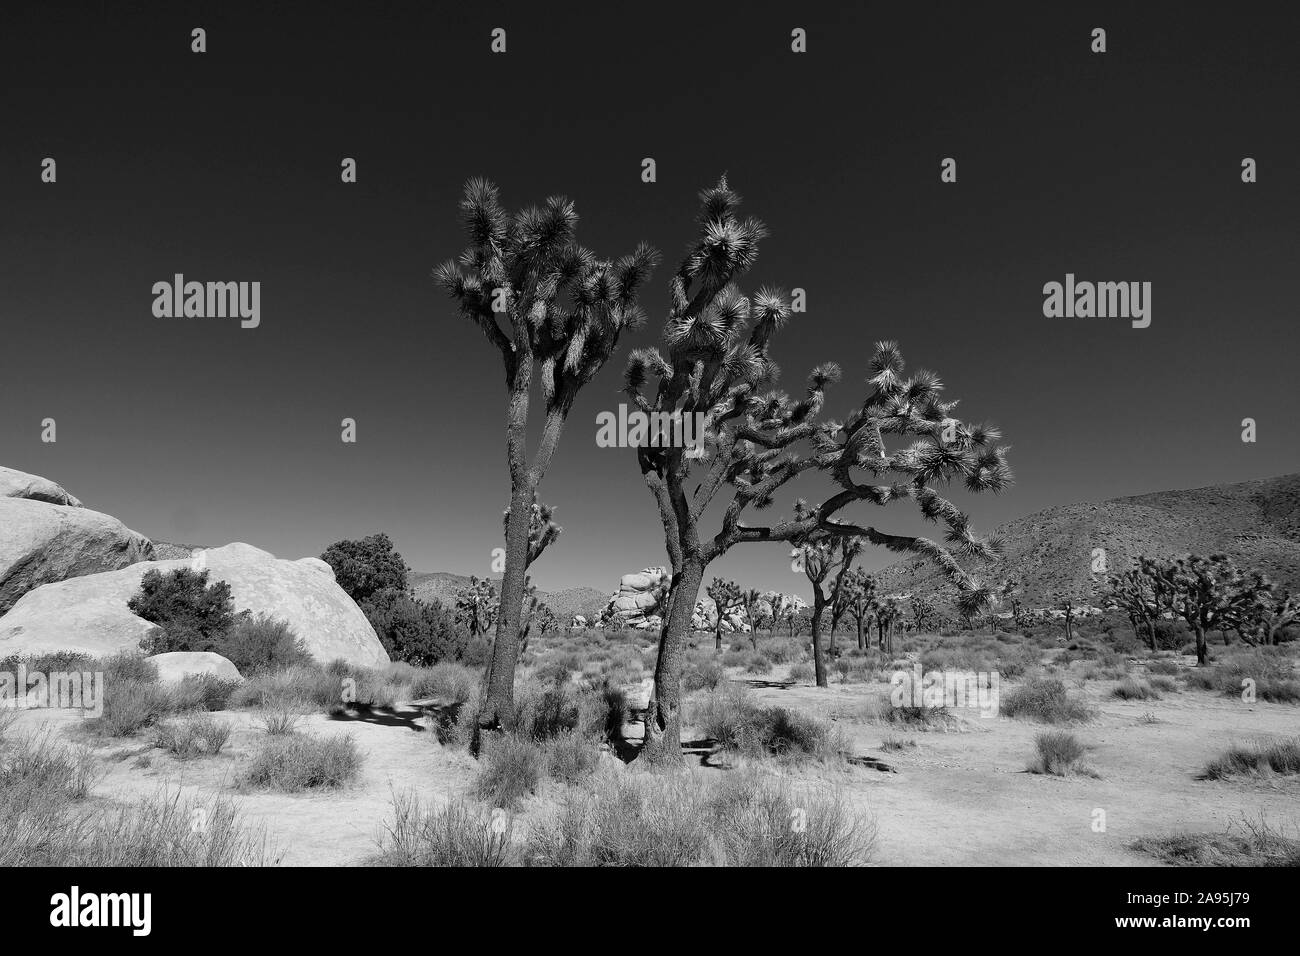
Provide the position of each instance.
(19, 484)
(175, 666)
(639, 601)
(705, 617)
(89, 613)
(42, 543)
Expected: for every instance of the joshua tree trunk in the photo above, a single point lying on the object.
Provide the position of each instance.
(1202, 651)
(861, 645)
(663, 719)
(499, 688)
(819, 662)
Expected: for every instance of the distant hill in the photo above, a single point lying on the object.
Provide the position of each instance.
(1255, 522)
(443, 585)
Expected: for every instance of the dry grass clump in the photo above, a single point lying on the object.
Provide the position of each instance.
(303, 762)
(648, 820)
(1252, 844)
(1130, 688)
(1044, 699)
(1261, 757)
(199, 736)
(742, 726)
(455, 834)
(1060, 754)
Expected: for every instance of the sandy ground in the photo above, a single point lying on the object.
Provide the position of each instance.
(960, 797)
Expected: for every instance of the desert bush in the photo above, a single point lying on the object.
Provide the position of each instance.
(542, 711)
(780, 650)
(127, 665)
(1253, 844)
(735, 657)
(257, 643)
(510, 768)
(1164, 684)
(1279, 757)
(572, 757)
(891, 743)
(455, 834)
(1044, 699)
(1270, 673)
(304, 685)
(191, 614)
(1059, 753)
(702, 674)
(419, 632)
(201, 736)
(742, 726)
(202, 692)
(281, 717)
(452, 682)
(802, 672)
(1163, 666)
(130, 706)
(1132, 689)
(302, 761)
(650, 820)
(758, 664)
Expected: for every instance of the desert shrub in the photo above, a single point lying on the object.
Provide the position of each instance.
(916, 717)
(758, 664)
(891, 743)
(1280, 757)
(542, 711)
(1172, 635)
(454, 683)
(702, 674)
(1059, 753)
(651, 820)
(303, 685)
(1163, 684)
(735, 657)
(802, 672)
(281, 717)
(1253, 844)
(366, 566)
(257, 643)
(202, 692)
(1163, 666)
(126, 666)
(602, 711)
(571, 757)
(1270, 672)
(455, 834)
(301, 761)
(511, 767)
(130, 706)
(201, 736)
(37, 767)
(418, 632)
(1132, 689)
(740, 725)
(48, 662)
(191, 614)
(1044, 699)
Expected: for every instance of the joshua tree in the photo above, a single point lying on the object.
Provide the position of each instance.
(750, 599)
(1268, 610)
(1131, 592)
(823, 555)
(1066, 604)
(1208, 594)
(857, 596)
(727, 597)
(886, 611)
(755, 442)
(924, 612)
(850, 548)
(476, 605)
(552, 307)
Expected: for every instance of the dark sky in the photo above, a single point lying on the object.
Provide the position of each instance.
(225, 166)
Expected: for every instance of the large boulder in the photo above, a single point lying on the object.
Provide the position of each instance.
(89, 614)
(638, 603)
(19, 484)
(175, 666)
(42, 542)
(705, 617)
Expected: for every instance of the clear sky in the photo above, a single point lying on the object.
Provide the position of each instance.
(1123, 166)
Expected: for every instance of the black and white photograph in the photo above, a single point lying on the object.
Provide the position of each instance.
(577, 435)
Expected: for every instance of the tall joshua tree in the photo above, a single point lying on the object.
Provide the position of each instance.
(857, 597)
(553, 309)
(823, 555)
(727, 597)
(754, 443)
(750, 599)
